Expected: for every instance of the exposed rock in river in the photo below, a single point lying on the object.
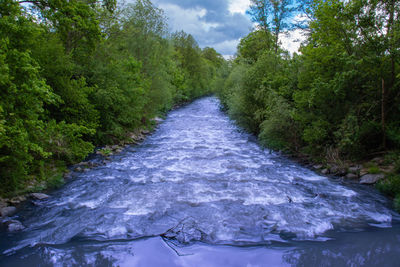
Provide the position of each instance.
(14, 226)
(39, 196)
(8, 211)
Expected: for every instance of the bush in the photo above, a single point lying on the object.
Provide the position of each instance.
(279, 130)
(390, 186)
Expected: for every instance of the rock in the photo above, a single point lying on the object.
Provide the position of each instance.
(340, 171)
(3, 203)
(157, 119)
(351, 176)
(325, 171)
(8, 211)
(387, 169)
(354, 169)
(333, 169)
(371, 178)
(318, 166)
(119, 150)
(67, 175)
(39, 196)
(17, 200)
(95, 164)
(79, 169)
(14, 226)
(84, 164)
(378, 160)
(363, 172)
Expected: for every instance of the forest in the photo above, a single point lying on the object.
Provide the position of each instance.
(79, 74)
(338, 98)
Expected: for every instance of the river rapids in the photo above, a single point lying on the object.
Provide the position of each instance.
(201, 192)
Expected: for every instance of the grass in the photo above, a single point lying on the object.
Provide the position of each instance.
(374, 170)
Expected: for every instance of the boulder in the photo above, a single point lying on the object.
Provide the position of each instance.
(14, 226)
(8, 211)
(371, 178)
(39, 196)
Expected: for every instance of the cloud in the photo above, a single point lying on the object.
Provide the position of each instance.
(291, 40)
(238, 6)
(219, 24)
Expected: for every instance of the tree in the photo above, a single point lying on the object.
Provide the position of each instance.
(272, 16)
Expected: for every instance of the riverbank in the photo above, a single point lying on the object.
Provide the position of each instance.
(39, 190)
(381, 171)
(59, 175)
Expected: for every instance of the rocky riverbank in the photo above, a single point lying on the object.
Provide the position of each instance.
(364, 172)
(10, 206)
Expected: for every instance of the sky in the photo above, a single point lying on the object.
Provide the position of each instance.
(215, 23)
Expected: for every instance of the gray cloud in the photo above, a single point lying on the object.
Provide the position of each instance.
(209, 21)
(212, 5)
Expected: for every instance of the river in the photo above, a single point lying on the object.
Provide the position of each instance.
(201, 192)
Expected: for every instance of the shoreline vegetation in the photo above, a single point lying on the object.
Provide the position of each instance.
(336, 104)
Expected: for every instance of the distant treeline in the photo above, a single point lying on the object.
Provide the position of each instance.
(75, 74)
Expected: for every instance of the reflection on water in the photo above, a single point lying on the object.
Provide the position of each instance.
(199, 192)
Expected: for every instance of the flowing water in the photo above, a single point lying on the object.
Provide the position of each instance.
(201, 192)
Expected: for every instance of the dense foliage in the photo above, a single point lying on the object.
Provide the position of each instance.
(76, 74)
(339, 98)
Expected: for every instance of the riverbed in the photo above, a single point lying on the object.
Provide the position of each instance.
(200, 191)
